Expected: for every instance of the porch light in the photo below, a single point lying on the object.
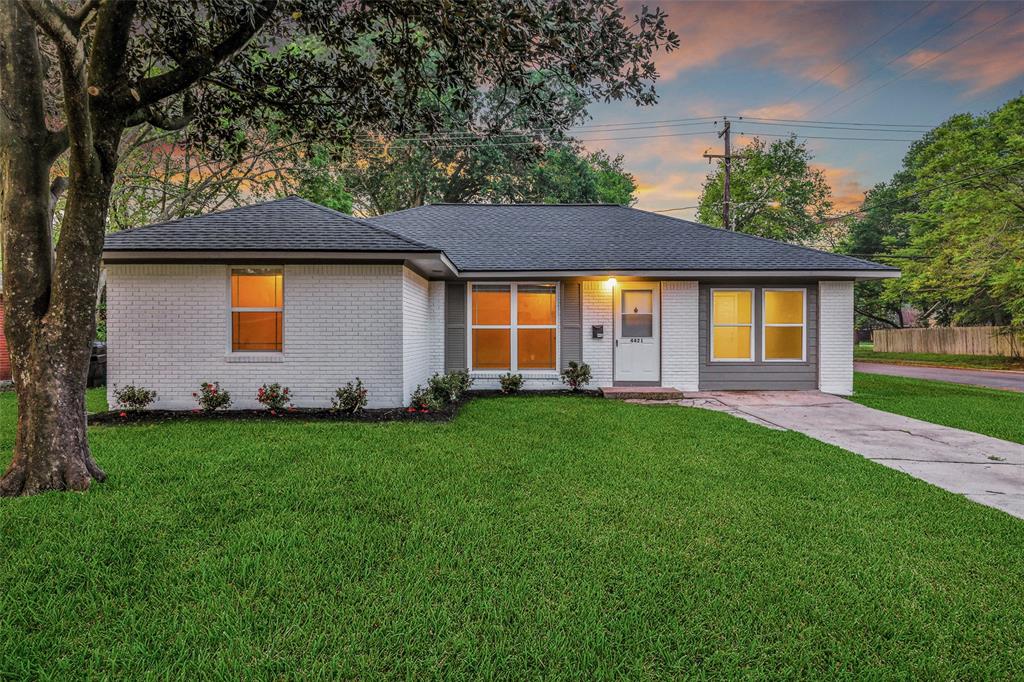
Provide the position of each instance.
(611, 282)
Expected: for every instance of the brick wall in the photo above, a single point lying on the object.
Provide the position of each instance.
(835, 363)
(680, 359)
(597, 309)
(169, 330)
(417, 360)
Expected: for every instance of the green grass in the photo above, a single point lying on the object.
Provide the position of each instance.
(556, 537)
(865, 352)
(990, 411)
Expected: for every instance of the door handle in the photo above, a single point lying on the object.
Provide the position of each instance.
(616, 343)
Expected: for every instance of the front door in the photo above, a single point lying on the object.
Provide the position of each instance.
(637, 333)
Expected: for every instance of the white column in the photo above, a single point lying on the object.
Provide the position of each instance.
(835, 345)
(679, 335)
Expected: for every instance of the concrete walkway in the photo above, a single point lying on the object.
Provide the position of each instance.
(984, 469)
(991, 378)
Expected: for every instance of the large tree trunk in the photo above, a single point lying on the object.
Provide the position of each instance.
(49, 301)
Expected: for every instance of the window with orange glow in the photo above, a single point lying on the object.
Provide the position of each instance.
(514, 326)
(732, 324)
(784, 324)
(257, 310)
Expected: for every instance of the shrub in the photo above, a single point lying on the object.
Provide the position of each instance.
(424, 400)
(451, 387)
(211, 398)
(133, 398)
(577, 375)
(511, 383)
(350, 398)
(273, 397)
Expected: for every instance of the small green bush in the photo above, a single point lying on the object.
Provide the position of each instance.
(511, 383)
(577, 375)
(450, 388)
(273, 397)
(424, 400)
(211, 397)
(350, 398)
(133, 398)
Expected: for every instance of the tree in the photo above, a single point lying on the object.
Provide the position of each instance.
(962, 264)
(565, 176)
(223, 68)
(879, 229)
(775, 192)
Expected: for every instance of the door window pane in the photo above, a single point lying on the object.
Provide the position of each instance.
(732, 343)
(783, 343)
(637, 313)
(256, 331)
(536, 348)
(492, 348)
(492, 304)
(732, 307)
(535, 304)
(783, 307)
(255, 289)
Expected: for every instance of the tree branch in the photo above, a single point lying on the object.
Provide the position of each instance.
(196, 66)
(54, 22)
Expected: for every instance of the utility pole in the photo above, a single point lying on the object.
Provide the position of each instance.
(727, 157)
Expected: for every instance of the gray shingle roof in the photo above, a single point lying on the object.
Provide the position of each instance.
(492, 237)
(290, 224)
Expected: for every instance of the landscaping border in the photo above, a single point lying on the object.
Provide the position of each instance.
(401, 414)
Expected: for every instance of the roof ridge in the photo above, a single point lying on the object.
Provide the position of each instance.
(763, 239)
(492, 204)
(333, 212)
(174, 221)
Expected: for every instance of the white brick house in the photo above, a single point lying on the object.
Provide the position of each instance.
(291, 292)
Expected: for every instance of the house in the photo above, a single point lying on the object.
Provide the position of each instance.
(292, 292)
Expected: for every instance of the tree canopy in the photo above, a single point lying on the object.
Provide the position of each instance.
(775, 192)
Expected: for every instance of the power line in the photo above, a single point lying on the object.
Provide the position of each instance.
(929, 61)
(837, 127)
(927, 126)
(899, 56)
(859, 53)
(833, 137)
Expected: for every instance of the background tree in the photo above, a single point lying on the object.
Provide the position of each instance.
(776, 193)
(318, 69)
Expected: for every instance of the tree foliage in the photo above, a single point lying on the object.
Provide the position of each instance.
(775, 192)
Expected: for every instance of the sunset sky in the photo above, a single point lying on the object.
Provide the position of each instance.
(908, 63)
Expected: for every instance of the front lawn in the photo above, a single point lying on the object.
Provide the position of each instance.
(867, 354)
(543, 536)
(990, 411)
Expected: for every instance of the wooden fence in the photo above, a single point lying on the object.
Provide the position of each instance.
(947, 341)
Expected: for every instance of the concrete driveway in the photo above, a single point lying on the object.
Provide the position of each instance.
(992, 378)
(987, 470)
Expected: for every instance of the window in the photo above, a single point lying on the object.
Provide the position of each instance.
(256, 310)
(637, 313)
(514, 327)
(732, 324)
(784, 325)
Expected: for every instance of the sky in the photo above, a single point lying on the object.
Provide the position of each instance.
(909, 65)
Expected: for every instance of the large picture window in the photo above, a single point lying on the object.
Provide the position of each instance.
(732, 325)
(514, 327)
(784, 333)
(257, 309)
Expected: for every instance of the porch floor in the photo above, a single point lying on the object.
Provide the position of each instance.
(641, 393)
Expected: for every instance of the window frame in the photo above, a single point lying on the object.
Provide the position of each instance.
(513, 328)
(711, 324)
(765, 324)
(232, 310)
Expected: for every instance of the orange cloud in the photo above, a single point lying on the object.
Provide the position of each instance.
(993, 58)
(847, 190)
(808, 39)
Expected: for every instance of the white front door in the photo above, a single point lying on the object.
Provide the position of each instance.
(637, 332)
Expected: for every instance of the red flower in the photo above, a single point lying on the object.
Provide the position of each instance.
(424, 411)
(411, 409)
(195, 395)
(123, 414)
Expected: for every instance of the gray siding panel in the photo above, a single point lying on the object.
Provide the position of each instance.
(724, 376)
(455, 327)
(571, 320)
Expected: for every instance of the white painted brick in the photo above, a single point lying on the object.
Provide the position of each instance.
(679, 335)
(835, 344)
(417, 356)
(597, 309)
(169, 330)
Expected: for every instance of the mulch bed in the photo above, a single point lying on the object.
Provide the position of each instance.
(401, 414)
